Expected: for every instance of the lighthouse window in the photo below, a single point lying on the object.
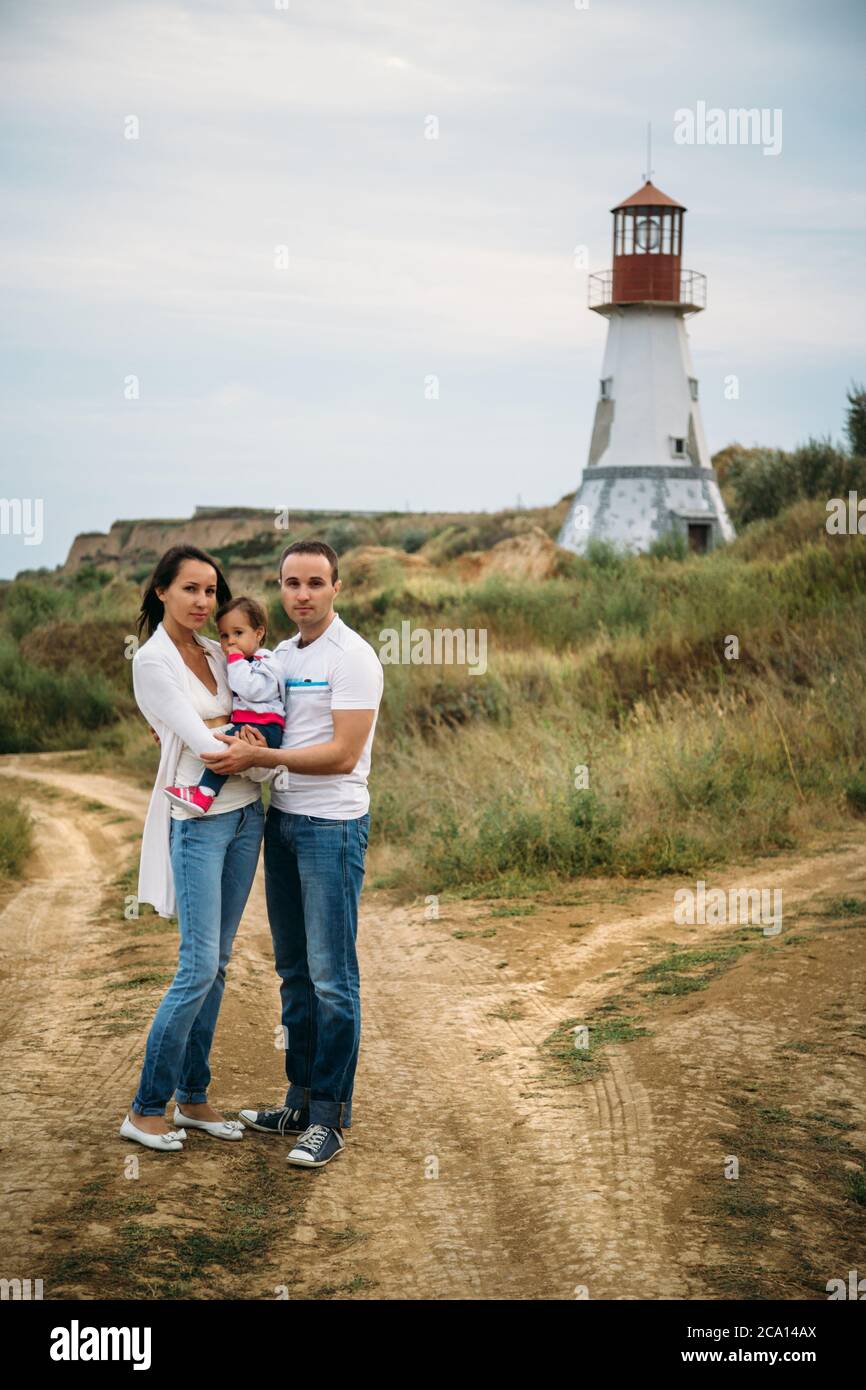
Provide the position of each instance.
(666, 234)
(647, 234)
(693, 387)
(607, 388)
(678, 446)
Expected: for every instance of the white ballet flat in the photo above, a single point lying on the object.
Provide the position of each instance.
(163, 1143)
(220, 1129)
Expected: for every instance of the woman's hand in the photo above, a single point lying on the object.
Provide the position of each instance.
(251, 735)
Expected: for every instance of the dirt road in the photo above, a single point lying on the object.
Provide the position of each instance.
(484, 1162)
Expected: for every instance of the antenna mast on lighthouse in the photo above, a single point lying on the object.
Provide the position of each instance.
(647, 177)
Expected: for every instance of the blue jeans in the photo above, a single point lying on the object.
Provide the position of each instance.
(213, 860)
(314, 871)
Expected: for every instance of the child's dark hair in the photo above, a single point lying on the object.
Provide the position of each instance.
(252, 610)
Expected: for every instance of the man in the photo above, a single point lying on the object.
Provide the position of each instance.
(315, 845)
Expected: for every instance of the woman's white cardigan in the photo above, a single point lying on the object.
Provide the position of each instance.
(159, 683)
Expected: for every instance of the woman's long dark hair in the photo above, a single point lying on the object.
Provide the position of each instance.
(164, 572)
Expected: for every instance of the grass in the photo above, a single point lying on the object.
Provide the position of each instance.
(615, 664)
(139, 1259)
(16, 838)
(604, 1027)
(778, 1243)
(676, 973)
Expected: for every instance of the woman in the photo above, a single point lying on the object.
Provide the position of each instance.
(201, 867)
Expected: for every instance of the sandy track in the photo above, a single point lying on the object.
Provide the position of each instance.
(466, 1175)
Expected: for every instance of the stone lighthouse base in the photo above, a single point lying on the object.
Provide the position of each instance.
(632, 507)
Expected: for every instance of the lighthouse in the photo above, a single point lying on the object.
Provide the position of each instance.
(648, 473)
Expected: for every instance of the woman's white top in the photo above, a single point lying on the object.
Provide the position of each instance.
(166, 699)
(237, 791)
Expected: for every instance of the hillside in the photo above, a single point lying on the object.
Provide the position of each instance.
(247, 541)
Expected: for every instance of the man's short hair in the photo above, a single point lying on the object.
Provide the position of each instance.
(310, 548)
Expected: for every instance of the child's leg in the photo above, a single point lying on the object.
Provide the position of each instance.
(211, 781)
(272, 733)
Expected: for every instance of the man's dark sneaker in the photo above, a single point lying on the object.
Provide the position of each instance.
(280, 1120)
(316, 1146)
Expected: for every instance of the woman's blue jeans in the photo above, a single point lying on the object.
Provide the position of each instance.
(213, 860)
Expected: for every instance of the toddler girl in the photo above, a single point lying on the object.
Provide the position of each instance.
(256, 696)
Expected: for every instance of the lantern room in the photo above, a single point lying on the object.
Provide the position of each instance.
(647, 257)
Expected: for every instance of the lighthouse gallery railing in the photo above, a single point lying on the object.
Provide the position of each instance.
(693, 289)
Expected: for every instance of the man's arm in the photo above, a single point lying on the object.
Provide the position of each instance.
(339, 754)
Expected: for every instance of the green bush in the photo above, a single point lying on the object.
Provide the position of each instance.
(42, 709)
(670, 546)
(412, 540)
(569, 836)
(16, 837)
(28, 605)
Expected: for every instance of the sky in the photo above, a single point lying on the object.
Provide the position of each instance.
(285, 293)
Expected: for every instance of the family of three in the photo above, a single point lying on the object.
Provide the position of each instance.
(230, 715)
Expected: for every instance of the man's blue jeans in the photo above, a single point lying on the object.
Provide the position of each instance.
(314, 871)
(213, 860)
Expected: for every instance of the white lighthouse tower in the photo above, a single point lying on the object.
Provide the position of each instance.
(648, 471)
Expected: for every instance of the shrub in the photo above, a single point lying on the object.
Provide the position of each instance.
(42, 709)
(16, 837)
(28, 605)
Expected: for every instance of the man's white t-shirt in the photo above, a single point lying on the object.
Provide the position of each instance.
(339, 670)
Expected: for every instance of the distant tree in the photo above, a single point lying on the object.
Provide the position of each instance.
(855, 422)
(763, 481)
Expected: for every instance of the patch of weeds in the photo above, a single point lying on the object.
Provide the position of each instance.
(583, 1063)
(349, 1236)
(763, 1209)
(843, 907)
(492, 1054)
(514, 910)
(856, 1187)
(132, 1261)
(124, 1020)
(353, 1285)
(507, 1012)
(151, 977)
(822, 1118)
(675, 972)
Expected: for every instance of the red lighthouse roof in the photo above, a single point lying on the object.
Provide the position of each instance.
(649, 196)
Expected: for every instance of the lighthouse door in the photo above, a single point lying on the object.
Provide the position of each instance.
(699, 536)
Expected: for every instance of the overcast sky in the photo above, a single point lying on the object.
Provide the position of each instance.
(408, 257)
